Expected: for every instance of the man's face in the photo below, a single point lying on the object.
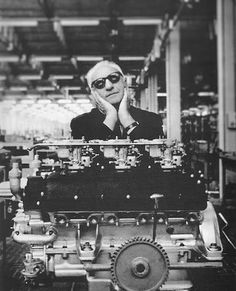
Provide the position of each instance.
(111, 88)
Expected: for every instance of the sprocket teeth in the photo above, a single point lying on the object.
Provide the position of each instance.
(131, 242)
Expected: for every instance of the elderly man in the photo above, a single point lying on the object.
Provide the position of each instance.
(113, 116)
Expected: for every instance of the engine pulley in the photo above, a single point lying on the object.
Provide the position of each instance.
(140, 264)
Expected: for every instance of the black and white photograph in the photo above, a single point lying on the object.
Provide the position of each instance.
(117, 145)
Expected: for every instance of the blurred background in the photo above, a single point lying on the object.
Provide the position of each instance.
(46, 48)
(179, 58)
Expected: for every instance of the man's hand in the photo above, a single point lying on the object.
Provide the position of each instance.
(107, 109)
(123, 113)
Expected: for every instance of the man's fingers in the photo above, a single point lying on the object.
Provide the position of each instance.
(99, 100)
(125, 93)
(125, 97)
(125, 102)
(96, 95)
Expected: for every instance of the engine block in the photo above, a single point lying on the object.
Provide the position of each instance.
(121, 215)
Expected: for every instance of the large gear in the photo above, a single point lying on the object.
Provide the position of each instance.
(139, 264)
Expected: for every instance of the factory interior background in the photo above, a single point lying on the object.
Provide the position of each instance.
(179, 58)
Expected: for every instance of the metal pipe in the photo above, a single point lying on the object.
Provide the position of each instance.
(97, 267)
(87, 267)
(73, 270)
(70, 273)
(38, 239)
(195, 265)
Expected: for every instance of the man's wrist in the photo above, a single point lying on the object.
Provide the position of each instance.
(131, 127)
(110, 121)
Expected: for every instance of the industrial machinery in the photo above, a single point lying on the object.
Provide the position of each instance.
(119, 214)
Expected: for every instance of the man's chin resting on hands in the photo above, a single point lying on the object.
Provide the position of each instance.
(113, 116)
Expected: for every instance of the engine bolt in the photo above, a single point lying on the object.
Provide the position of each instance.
(140, 267)
(214, 247)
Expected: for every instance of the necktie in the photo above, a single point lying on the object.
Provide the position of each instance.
(119, 131)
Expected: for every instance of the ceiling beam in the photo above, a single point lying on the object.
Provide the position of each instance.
(163, 30)
(48, 7)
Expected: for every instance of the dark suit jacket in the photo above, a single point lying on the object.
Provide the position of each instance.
(90, 126)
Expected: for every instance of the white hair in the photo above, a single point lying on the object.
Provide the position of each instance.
(100, 64)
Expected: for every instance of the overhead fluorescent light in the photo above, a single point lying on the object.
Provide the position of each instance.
(45, 88)
(72, 88)
(62, 77)
(141, 21)
(9, 58)
(47, 58)
(208, 94)
(18, 22)
(161, 94)
(79, 22)
(18, 88)
(89, 58)
(29, 77)
(131, 58)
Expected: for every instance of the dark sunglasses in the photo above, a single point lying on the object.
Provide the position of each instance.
(101, 82)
